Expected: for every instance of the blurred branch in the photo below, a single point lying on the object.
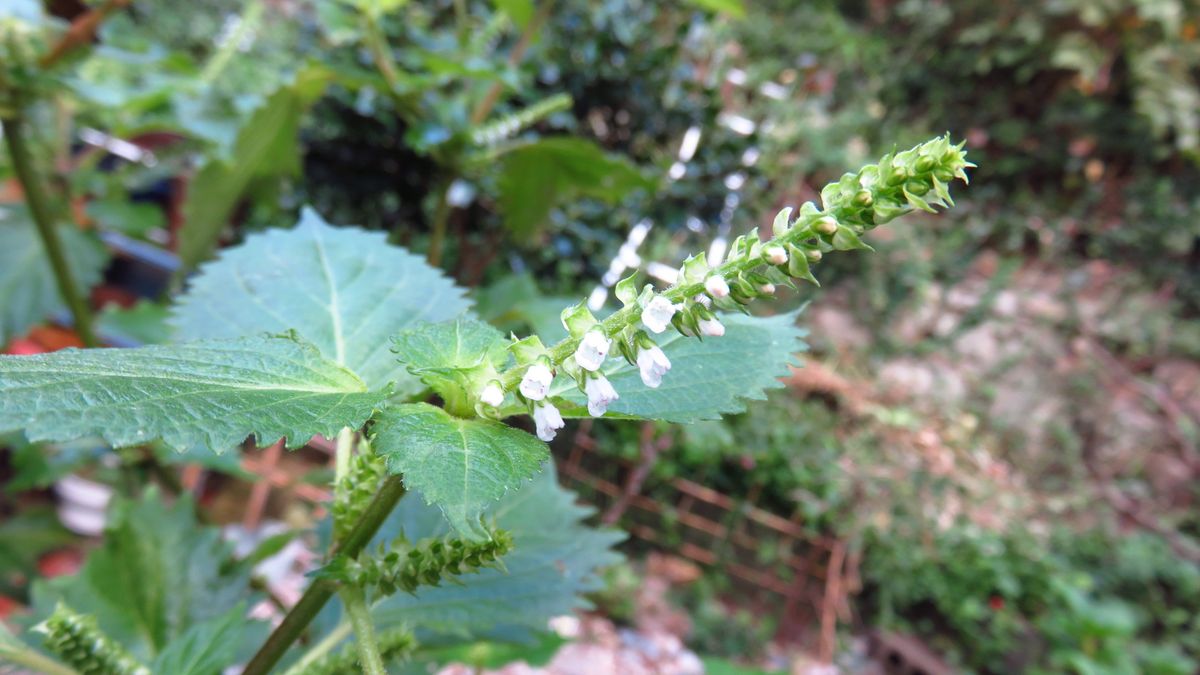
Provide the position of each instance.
(81, 31)
(489, 100)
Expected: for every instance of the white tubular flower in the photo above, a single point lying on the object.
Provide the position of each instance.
(716, 286)
(657, 314)
(600, 394)
(704, 300)
(592, 350)
(653, 364)
(711, 328)
(548, 421)
(492, 395)
(776, 255)
(767, 289)
(536, 382)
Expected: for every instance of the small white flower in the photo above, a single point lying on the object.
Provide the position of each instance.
(592, 350)
(657, 314)
(767, 289)
(704, 300)
(600, 394)
(775, 255)
(653, 364)
(711, 328)
(492, 395)
(536, 382)
(548, 421)
(716, 286)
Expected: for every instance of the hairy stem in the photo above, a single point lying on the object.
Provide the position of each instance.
(23, 657)
(364, 630)
(321, 590)
(39, 209)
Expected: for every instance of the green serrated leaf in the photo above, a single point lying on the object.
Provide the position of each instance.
(536, 176)
(707, 379)
(212, 393)
(156, 576)
(458, 344)
(460, 465)
(212, 646)
(455, 358)
(555, 559)
(344, 289)
(28, 291)
(266, 146)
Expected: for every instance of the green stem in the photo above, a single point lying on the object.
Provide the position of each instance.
(441, 217)
(22, 656)
(251, 17)
(39, 209)
(319, 650)
(321, 590)
(364, 630)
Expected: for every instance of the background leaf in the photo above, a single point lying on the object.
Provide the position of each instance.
(212, 393)
(536, 176)
(28, 292)
(556, 558)
(155, 577)
(208, 648)
(346, 290)
(707, 379)
(265, 146)
(461, 465)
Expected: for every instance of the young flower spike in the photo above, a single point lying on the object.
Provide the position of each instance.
(600, 393)
(492, 395)
(657, 314)
(711, 328)
(548, 421)
(592, 350)
(716, 286)
(653, 364)
(536, 382)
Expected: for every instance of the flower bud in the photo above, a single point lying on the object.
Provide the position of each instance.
(711, 328)
(826, 225)
(925, 164)
(916, 187)
(492, 394)
(863, 198)
(775, 255)
(716, 286)
(767, 289)
(813, 255)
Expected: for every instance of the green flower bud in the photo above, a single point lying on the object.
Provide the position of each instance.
(863, 198)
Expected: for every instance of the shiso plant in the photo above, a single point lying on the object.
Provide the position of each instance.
(330, 331)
